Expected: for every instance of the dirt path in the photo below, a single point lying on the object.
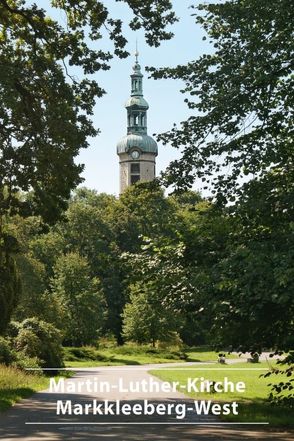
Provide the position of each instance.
(35, 418)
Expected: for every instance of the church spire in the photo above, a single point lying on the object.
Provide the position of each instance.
(136, 150)
(136, 105)
(137, 77)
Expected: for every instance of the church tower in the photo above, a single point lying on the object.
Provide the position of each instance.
(137, 151)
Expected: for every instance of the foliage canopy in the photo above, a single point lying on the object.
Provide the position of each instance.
(45, 114)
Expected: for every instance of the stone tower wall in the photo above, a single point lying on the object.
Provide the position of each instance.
(147, 169)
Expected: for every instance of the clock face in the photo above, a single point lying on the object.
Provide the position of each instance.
(135, 154)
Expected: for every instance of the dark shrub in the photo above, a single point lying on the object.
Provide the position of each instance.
(6, 355)
(40, 339)
(12, 329)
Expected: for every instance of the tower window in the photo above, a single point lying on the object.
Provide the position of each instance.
(135, 168)
(135, 173)
(134, 179)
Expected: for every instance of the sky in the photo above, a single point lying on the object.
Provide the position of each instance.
(166, 103)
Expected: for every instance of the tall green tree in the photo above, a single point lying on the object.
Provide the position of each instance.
(81, 299)
(240, 96)
(45, 111)
(238, 142)
(32, 268)
(144, 318)
(255, 279)
(96, 241)
(158, 290)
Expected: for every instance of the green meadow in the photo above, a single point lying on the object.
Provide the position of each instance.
(132, 354)
(128, 354)
(252, 403)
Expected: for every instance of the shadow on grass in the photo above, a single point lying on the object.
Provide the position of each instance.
(11, 395)
(202, 349)
(123, 361)
(106, 361)
(261, 410)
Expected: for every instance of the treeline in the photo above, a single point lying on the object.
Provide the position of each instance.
(147, 268)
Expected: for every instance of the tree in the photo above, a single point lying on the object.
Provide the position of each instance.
(241, 95)
(239, 143)
(110, 227)
(33, 268)
(144, 318)
(45, 109)
(9, 287)
(143, 210)
(81, 299)
(96, 242)
(45, 113)
(254, 279)
(239, 262)
(158, 290)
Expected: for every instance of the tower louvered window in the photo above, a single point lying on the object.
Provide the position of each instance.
(135, 173)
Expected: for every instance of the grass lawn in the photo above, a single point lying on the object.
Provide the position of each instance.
(131, 354)
(205, 354)
(252, 403)
(120, 355)
(16, 384)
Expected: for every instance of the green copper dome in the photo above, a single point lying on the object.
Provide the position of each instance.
(141, 141)
(138, 101)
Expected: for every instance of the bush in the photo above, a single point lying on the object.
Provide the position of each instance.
(12, 329)
(28, 342)
(6, 354)
(172, 340)
(24, 362)
(83, 353)
(40, 339)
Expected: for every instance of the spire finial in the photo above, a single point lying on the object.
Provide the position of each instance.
(137, 52)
